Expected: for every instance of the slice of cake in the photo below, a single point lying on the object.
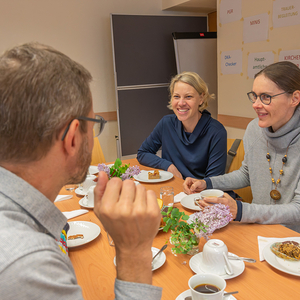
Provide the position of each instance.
(154, 175)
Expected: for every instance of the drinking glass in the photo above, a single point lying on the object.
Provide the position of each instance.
(167, 195)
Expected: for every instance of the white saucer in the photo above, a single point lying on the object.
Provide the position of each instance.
(80, 192)
(238, 266)
(89, 231)
(188, 293)
(81, 203)
(159, 260)
(188, 202)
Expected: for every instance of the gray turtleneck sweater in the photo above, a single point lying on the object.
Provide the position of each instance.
(255, 172)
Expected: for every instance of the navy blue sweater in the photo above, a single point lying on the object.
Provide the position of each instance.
(199, 154)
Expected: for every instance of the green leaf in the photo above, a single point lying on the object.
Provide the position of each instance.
(118, 163)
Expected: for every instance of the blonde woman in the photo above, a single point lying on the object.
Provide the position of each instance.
(193, 143)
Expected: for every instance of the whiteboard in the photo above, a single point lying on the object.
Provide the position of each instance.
(197, 52)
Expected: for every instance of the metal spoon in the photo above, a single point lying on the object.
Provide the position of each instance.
(227, 266)
(250, 260)
(225, 294)
(161, 249)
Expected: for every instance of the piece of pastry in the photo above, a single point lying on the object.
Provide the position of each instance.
(76, 236)
(154, 175)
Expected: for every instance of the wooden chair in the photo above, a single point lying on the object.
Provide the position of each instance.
(97, 154)
(245, 193)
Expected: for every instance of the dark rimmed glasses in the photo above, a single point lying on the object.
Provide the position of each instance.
(98, 127)
(264, 98)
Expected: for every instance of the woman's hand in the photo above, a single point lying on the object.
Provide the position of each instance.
(192, 185)
(174, 171)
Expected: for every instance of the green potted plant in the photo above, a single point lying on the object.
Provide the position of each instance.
(186, 232)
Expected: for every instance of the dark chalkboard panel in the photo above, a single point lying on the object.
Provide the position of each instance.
(144, 57)
(144, 107)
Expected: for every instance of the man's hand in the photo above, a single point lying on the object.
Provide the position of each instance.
(131, 216)
(174, 171)
(192, 185)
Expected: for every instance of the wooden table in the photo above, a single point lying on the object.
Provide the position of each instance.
(95, 271)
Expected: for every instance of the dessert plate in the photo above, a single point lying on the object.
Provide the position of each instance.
(188, 202)
(187, 293)
(159, 260)
(286, 266)
(238, 266)
(143, 176)
(89, 231)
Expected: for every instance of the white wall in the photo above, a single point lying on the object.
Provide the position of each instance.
(80, 29)
(232, 89)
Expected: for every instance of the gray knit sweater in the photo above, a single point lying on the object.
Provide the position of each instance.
(255, 172)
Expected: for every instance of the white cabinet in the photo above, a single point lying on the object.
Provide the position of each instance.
(202, 6)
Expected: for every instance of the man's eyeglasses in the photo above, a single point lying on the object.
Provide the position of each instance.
(264, 98)
(98, 127)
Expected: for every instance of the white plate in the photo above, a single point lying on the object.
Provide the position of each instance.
(93, 170)
(286, 266)
(188, 202)
(238, 266)
(188, 293)
(159, 260)
(89, 230)
(143, 176)
(81, 203)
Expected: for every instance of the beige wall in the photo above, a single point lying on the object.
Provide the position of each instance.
(232, 89)
(80, 29)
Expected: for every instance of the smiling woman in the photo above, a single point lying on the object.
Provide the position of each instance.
(271, 163)
(193, 143)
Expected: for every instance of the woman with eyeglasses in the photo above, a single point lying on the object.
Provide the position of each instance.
(271, 163)
(192, 142)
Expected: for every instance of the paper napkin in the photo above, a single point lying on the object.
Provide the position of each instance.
(263, 241)
(178, 197)
(75, 213)
(62, 197)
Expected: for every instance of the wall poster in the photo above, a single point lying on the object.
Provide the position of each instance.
(232, 62)
(258, 61)
(290, 55)
(256, 28)
(286, 13)
(230, 11)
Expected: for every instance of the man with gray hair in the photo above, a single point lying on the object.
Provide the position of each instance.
(46, 137)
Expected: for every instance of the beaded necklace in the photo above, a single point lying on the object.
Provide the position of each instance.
(275, 194)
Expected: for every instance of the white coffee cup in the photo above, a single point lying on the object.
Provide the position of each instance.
(90, 197)
(213, 260)
(211, 193)
(207, 279)
(89, 181)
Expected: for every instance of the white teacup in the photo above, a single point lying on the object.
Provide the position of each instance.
(207, 280)
(212, 193)
(213, 260)
(90, 197)
(89, 181)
